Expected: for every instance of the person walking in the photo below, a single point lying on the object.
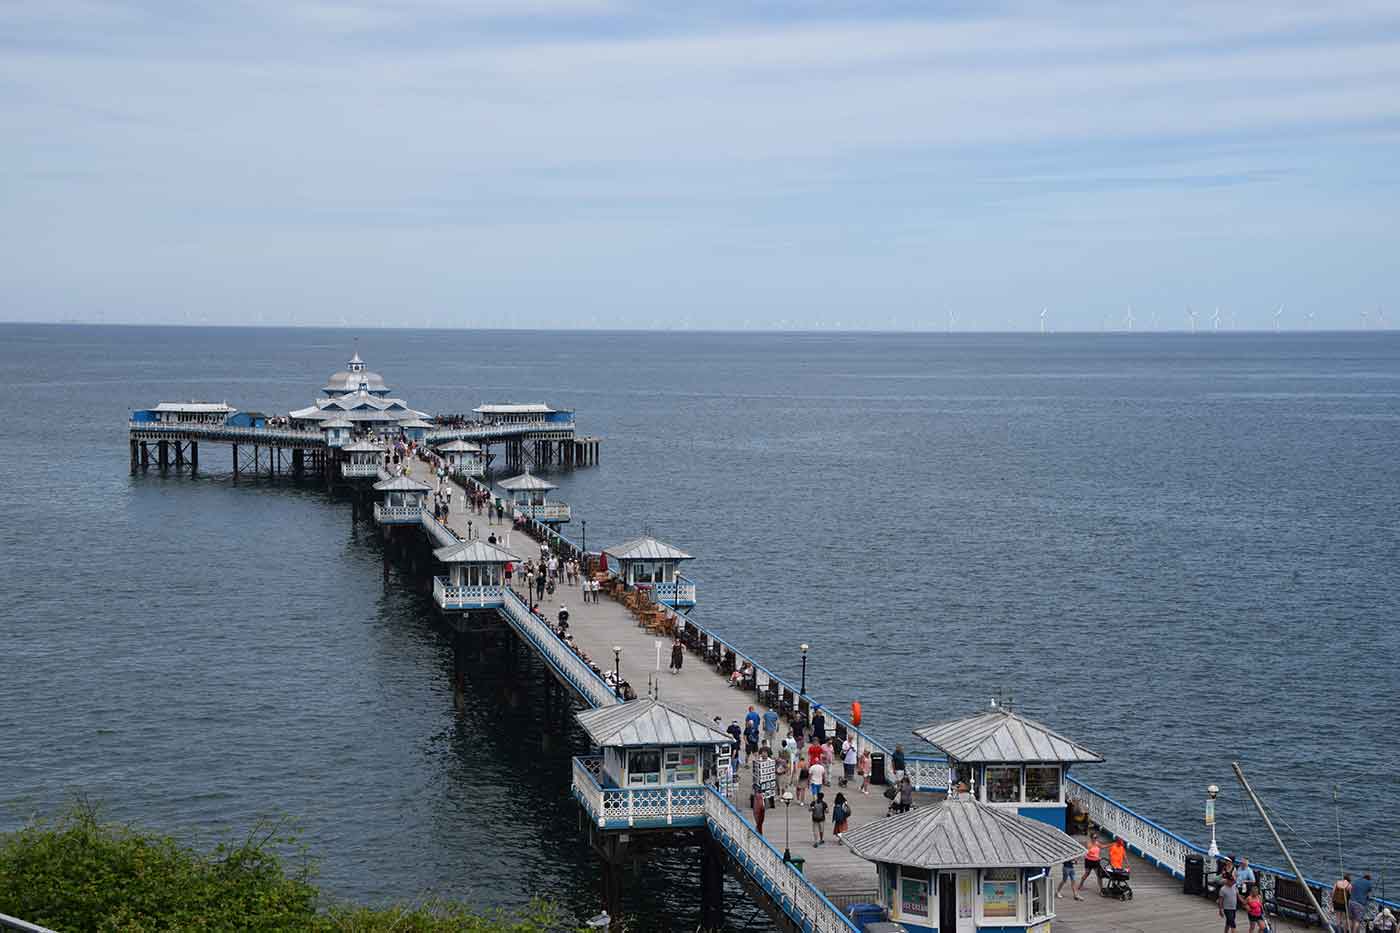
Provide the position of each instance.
(799, 726)
(840, 816)
(897, 762)
(818, 818)
(677, 655)
(1067, 877)
(1228, 903)
(863, 766)
(848, 761)
(770, 727)
(906, 794)
(1092, 865)
(760, 807)
(816, 776)
(1254, 910)
(818, 725)
(738, 734)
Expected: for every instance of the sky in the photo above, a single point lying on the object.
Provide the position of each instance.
(604, 163)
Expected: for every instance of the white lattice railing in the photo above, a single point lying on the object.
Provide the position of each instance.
(675, 591)
(467, 596)
(359, 469)
(1155, 842)
(588, 682)
(927, 773)
(226, 432)
(790, 890)
(549, 512)
(397, 514)
(621, 807)
(443, 435)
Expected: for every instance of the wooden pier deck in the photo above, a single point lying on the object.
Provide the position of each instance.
(1158, 905)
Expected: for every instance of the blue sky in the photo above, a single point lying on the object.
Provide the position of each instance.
(600, 163)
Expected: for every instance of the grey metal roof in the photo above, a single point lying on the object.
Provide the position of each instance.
(196, 407)
(526, 482)
(648, 722)
(458, 447)
(364, 446)
(962, 833)
(534, 408)
(401, 484)
(337, 423)
(646, 548)
(473, 552)
(1000, 735)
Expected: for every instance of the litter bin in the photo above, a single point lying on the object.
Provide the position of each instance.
(1195, 881)
(877, 768)
(797, 862)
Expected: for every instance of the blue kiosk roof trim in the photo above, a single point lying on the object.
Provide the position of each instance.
(1000, 736)
(962, 833)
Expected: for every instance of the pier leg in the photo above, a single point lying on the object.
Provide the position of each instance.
(235, 461)
(298, 462)
(145, 456)
(164, 454)
(179, 455)
(194, 456)
(135, 455)
(711, 885)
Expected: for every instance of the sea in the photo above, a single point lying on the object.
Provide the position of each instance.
(1179, 550)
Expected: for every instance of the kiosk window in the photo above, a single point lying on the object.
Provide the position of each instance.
(1004, 785)
(1042, 783)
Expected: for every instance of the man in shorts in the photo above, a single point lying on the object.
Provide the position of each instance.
(1067, 878)
(1228, 902)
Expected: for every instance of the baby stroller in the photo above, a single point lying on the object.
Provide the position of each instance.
(1116, 883)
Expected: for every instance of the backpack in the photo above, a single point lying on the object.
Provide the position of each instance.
(818, 811)
(840, 813)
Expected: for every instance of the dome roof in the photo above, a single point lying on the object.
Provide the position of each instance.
(353, 378)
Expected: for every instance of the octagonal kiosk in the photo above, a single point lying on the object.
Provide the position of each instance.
(403, 501)
(362, 459)
(962, 866)
(1009, 761)
(648, 563)
(475, 576)
(529, 495)
(337, 432)
(655, 760)
(462, 457)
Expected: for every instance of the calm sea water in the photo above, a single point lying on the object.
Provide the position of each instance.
(1178, 550)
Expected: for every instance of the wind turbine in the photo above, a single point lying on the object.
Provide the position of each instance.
(1043, 312)
(1310, 320)
(1129, 319)
(1191, 317)
(1365, 322)
(952, 319)
(1215, 319)
(1277, 314)
(1380, 318)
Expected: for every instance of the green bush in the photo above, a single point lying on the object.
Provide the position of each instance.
(77, 874)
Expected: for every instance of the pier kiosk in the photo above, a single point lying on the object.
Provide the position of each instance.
(962, 866)
(475, 576)
(651, 564)
(529, 495)
(462, 457)
(403, 501)
(655, 758)
(415, 429)
(1009, 761)
(363, 459)
(337, 431)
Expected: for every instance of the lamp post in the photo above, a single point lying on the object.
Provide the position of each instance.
(1211, 793)
(787, 823)
(802, 692)
(617, 671)
(585, 536)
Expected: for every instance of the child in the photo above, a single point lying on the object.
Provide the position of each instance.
(1254, 907)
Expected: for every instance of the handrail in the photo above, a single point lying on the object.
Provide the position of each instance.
(558, 654)
(14, 923)
(793, 892)
(217, 431)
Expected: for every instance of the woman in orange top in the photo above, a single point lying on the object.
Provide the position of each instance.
(1091, 864)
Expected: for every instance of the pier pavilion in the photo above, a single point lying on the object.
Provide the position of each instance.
(1009, 761)
(403, 501)
(646, 563)
(185, 413)
(462, 457)
(475, 576)
(363, 459)
(529, 496)
(962, 866)
(355, 378)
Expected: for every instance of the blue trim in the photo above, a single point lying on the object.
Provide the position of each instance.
(1054, 816)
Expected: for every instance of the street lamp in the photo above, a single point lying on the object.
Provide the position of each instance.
(787, 822)
(585, 536)
(617, 671)
(803, 691)
(1211, 793)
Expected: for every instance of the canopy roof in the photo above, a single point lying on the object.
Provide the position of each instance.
(962, 833)
(511, 408)
(474, 552)
(999, 735)
(648, 722)
(337, 423)
(363, 446)
(414, 423)
(401, 484)
(202, 408)
(646, 548)
(458, 447)
(526, 483)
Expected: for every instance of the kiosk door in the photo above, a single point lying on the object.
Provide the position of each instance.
(947, 901)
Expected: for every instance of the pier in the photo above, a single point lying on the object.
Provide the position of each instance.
(615, 656)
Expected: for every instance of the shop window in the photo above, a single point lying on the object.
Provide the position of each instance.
(1004, 785)
(1001, 893)
(682, 766)
(1038, 894)
(644, 767)
(1042, 783)
(914, 889)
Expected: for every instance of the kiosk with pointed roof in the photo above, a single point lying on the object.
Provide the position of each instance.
(529, 495)
(462, 457)
(648, 563)
(961, 865)
(655, 760)
(403, 501)
(1009, 761)
(362, 458)
(475, 576)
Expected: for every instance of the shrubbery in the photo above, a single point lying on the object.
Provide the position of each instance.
(77, 874)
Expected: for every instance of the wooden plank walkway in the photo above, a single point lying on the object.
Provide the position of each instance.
(1158, 906)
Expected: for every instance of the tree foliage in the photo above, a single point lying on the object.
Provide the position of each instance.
(77, 874)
